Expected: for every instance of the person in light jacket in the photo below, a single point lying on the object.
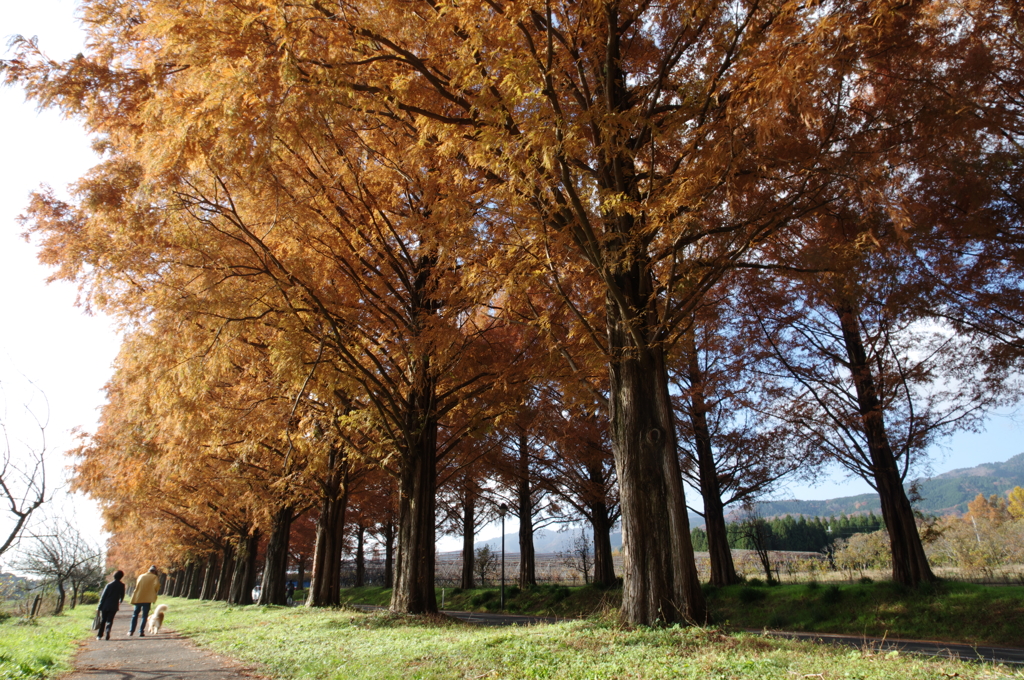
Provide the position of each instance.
(146, 589)
(110, 601)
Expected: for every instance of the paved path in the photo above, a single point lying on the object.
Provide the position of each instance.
(1007, 655)
(154, 657)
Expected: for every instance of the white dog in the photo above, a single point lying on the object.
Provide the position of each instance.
(156, 619)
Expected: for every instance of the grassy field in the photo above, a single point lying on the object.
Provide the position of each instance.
(949, 611)
(304, 643)
(42, 648)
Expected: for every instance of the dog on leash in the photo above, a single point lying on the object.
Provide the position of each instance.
(156, 620)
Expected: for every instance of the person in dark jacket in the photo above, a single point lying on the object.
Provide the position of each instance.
(110, 600)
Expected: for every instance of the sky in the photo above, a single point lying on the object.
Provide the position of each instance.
(48, 346)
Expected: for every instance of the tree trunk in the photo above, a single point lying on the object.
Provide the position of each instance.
(178, 579)
(360, 556)
(190, 577)
(224, 576)
(196, 588)
(275, 564)
(414, 582)
(660, 583)
(209, 591)
(723, 571)
(604, 562)
(300, 576)
(909, 563)
(61, 595)
(244, 579)
(325, 580)
(389, 555)
(527, 556)
(468, 533)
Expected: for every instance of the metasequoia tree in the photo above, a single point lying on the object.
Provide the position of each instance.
(647, 146)
(735, 448)
(334, 217)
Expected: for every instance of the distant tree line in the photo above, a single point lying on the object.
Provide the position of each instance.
(803, 534)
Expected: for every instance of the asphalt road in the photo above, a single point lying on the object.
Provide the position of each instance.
(165, 656)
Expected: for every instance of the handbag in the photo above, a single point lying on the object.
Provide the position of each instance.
(97, 620)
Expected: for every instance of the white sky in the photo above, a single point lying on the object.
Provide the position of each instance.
(45, 339)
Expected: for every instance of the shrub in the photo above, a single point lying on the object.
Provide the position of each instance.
(482, 598)
(512, 591)
(755, 582)
(89, 597)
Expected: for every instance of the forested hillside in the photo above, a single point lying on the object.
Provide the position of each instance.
(948, 493)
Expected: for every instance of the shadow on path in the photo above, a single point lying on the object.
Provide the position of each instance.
(154, 657)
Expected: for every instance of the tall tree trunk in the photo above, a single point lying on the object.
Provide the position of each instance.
(61, 595)
(244, 579)
(469, 496)
(527, 555)
(909, 563)
(723, 571)
(190, 578)
(227, 564)
(178, 583)
(414, 582)
(604, 562)
(196, 588)
(389, 555)
(209, 591)
(325, 580)
(275, 563)
(300, 567)
(360, 555)
(660, 583)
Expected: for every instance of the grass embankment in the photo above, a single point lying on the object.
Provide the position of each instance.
(307, 643)
(949, 611)
(43, 647)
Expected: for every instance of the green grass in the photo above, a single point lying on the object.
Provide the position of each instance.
(297, 642)
(949, 611)
(42, 648)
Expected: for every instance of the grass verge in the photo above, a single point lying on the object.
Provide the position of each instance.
(949, 611)
(43, 647)
(343, 644)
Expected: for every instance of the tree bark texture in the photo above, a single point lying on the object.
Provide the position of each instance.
(244, 578)
(909, 563)
(389, 555)
(275, 563)
(414, 578)
(723, 570)
(527, 555)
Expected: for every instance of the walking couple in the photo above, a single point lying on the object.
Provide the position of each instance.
(146, 589)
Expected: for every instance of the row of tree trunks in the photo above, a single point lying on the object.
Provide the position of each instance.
(909, 563)
(325, 579)
(243, 580)
(275, 564)
(227, 562)
(209, 590)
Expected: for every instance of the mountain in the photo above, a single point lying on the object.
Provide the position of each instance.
(945, 494)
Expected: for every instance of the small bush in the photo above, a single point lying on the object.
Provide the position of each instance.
(749, 595)
(512, 591)
(482, 598)
(865, 580)
(89, 597)
(4, 616)
(755, 583)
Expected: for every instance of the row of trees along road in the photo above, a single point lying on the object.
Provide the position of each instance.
(354, 245)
